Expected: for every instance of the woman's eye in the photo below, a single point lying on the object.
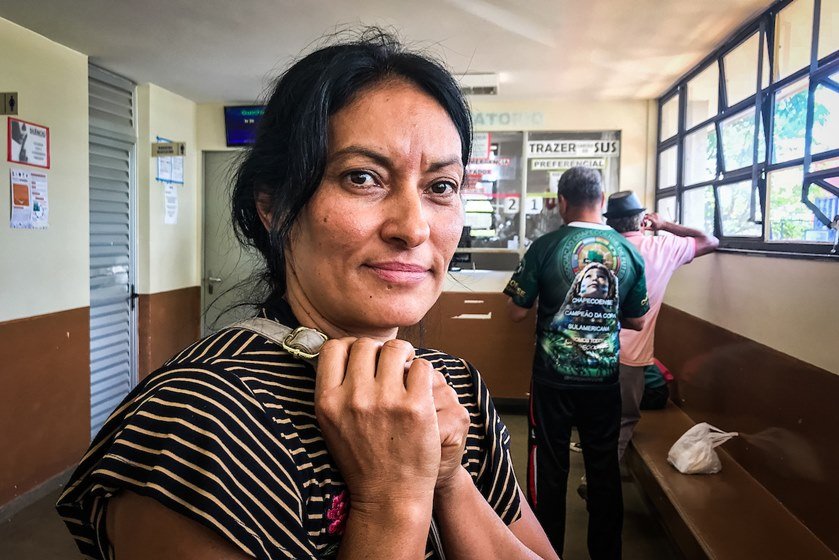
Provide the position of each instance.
(361, 179)
(443, 187)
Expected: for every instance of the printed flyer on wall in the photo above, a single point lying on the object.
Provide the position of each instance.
(28, 143)
(29, 199)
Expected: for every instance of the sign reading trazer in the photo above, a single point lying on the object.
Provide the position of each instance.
(573, 148)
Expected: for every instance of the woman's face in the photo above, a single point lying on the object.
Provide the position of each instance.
(370, 250)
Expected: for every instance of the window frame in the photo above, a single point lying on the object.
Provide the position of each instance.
(763, 103)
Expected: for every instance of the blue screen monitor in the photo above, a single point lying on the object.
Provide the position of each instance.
(240, 124)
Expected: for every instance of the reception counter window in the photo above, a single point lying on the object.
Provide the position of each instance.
(510, 198)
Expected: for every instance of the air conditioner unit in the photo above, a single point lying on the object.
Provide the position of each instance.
(479, 84)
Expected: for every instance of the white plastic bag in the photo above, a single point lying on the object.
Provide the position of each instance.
(693, 453)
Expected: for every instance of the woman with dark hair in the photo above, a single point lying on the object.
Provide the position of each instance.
(264, 441)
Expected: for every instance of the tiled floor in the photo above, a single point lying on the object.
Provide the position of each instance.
(36, 533)
(643, 537)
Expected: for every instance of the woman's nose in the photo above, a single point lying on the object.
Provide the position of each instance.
(406, 222)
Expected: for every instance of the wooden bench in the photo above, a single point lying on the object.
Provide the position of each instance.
(728, 515)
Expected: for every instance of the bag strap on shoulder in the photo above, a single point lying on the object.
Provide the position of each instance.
(303, 343)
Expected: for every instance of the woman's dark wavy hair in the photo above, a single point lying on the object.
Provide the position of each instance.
(288, 158)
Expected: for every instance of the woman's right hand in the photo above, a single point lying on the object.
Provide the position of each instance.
(379, 423)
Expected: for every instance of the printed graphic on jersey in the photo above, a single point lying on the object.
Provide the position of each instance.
(591, 249)
(582, 341)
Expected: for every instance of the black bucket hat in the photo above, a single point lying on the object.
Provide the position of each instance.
(622, 204)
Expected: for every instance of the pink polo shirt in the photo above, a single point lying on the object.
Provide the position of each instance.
(663, 254)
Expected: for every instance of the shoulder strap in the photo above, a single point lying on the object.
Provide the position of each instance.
(303, 343)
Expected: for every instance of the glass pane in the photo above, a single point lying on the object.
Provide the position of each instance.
(793, 37)
(543, 173)
(739, 210)
(667, 161)
(738, 140)
(702, 95)
(669, 118)
(740, 67)
(667, 208)
(828, 203)
(832, 163)
(698, 209)
(789, 219)
(829, 28)
(700, 159)
(789, 121)
(494, 185)
(825, 119)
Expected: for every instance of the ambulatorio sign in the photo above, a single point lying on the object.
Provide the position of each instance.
(522, 119)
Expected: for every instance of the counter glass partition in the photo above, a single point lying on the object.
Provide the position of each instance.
(510, 196)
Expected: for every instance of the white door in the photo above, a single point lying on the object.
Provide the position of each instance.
(113, 332)
(227, 268)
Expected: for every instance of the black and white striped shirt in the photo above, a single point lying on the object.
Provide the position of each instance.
(225, 434)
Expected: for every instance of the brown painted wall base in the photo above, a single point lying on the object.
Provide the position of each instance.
(784, 409)
(166, 323)
(44, 398)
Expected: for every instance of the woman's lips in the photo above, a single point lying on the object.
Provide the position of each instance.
(400, 273)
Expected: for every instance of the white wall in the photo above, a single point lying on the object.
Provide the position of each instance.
(44, 271)
(169, 255)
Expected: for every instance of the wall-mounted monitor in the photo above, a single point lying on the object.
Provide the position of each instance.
(240, 123)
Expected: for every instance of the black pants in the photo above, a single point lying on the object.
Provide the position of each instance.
(597, 415)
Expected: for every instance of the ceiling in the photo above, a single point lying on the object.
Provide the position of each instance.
(229, 50)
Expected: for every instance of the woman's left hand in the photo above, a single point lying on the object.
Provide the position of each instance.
(453, 424)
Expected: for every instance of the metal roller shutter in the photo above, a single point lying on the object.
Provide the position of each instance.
(112, 326)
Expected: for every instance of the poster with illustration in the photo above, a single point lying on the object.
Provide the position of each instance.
(29, 199)
(582, 340)
(28, 143)
(21, 195)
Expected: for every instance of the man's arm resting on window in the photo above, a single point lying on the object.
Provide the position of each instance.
(705, 243)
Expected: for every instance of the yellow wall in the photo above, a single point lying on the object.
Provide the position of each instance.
(44, 271)
(210, 123)
(169, 255)
(787, 304)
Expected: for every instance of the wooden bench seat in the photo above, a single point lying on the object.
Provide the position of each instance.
(728, 515)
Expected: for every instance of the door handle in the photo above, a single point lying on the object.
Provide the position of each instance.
(210, 281)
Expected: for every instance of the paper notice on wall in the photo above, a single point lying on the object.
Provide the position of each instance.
(40, 200)
(21, 199)
(170, 201)
(178, 170)
(164, 169)
(29, 199)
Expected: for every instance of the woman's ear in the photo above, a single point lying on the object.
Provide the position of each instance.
(263, 207)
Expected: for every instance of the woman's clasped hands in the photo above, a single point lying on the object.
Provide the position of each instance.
(393, 425)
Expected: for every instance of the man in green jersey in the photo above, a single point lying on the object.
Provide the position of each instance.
(589, 282)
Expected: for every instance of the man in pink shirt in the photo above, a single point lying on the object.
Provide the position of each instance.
(663, 254)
